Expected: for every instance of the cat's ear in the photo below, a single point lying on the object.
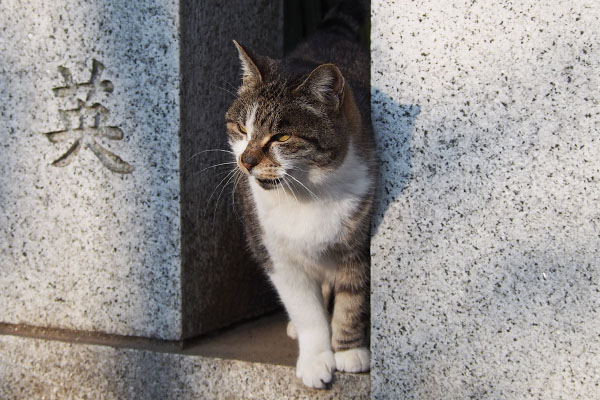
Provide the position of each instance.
(251, 73)
(326, 84)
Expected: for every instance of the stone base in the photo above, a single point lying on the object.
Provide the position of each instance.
(39, 368)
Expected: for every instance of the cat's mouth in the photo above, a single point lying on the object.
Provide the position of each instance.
(268, 183)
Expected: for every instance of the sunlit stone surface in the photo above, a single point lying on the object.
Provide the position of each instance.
(485, 280)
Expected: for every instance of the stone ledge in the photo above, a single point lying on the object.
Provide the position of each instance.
(41, 368)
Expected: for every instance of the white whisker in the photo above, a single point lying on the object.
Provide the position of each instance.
(230, 174)
(231, 93)
(239, 176)
(225, 172)
(232, 87)
(290, 187)
(277, 191)
(205, 151)
(220, 193)
(214, 166)
(295, 167)
(314, 196)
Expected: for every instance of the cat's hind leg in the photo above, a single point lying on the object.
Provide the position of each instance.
(291, 331)
(350, 316)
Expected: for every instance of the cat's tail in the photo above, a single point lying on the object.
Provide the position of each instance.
(348, 18)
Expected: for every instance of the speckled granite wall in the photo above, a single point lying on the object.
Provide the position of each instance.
(82, 246)
(91, 189)
(486, 270)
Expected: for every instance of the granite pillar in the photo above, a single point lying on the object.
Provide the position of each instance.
(107, 223)
(486, 272)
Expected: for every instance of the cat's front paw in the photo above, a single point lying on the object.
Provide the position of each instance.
(316, 371)
(353, 360)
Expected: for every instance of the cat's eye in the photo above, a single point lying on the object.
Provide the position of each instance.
(242, 128)
(282, 137)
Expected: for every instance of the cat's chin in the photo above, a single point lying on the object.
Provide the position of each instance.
(268, 184)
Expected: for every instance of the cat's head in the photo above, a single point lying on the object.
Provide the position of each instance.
(286, 121)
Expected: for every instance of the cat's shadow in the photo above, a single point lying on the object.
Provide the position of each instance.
(393, 124)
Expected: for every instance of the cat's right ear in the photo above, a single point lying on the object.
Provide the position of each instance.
(326, 84)
(251, 74)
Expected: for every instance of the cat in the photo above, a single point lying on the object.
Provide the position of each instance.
(301, 133)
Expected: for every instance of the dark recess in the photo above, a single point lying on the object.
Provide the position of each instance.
(302, 17)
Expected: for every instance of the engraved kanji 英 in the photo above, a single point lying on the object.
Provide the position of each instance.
(85, 121)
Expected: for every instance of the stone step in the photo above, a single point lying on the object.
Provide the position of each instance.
(251, 361)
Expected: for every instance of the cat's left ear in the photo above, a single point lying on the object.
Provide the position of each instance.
(326, 84)
(251, 73)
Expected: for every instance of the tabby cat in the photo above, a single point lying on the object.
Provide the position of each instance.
(301, 133)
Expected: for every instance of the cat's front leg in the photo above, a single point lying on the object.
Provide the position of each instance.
(303, 301)
(326, 290)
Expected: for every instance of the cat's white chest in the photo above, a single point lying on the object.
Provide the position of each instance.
(301, 232)
(309, 226)
(297, 230)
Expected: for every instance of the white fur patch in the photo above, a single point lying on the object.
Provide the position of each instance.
(239, 146)
(250, 117)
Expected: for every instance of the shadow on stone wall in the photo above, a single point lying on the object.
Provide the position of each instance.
(394, 124)
(221, 284)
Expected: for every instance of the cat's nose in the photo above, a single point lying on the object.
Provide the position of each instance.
(249, 161)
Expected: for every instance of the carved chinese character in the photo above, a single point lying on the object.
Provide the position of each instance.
(87, 121)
